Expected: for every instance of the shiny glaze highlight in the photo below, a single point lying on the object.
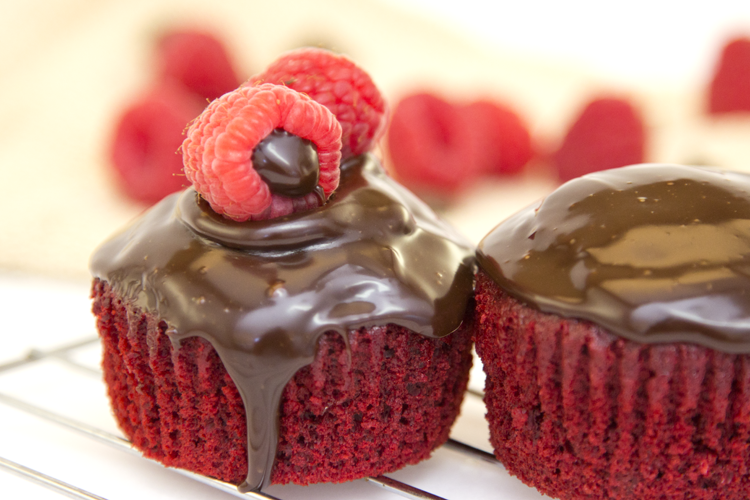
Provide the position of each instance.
(655, 253)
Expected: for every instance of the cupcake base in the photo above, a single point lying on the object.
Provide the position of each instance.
(385, 403)
(580, 413)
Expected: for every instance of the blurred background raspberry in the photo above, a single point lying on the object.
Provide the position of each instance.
(71, 69)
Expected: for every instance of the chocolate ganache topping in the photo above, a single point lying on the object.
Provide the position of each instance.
(262, 293)
(287, 163)
(655, 253)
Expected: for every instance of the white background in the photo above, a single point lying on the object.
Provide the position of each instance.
(651, 41)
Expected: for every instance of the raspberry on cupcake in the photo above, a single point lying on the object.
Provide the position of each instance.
(612, 322)
(339, 84)
(221, 151)
(281, 321)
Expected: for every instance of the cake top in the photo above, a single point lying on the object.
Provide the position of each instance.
(375, 254)
(655, 253)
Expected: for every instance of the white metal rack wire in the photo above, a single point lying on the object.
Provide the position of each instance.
(67, 356)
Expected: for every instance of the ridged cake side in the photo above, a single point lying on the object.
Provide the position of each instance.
(580, 413)
(386, 402)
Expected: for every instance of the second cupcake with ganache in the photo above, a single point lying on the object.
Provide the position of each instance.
(613, 322)
(287, 319)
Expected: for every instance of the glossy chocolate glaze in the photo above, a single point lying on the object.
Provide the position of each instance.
(263, 292)
(287, 163)
(655, 253)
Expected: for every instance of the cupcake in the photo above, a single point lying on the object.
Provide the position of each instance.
(295, 316)
(613, 322)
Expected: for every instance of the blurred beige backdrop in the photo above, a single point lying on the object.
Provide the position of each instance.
(70, 66)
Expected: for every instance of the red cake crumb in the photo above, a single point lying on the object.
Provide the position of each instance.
(730, 87)
(386, 404)
(147, 139)
(580, 413)
(609, 133)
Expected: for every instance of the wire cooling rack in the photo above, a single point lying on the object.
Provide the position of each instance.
(72, 359)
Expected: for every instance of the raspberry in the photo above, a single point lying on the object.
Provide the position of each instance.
(198, 61)
(608, 134)
(503, 139)
(431, 145)
(146, 142)
(340, 85)
(730, 87)
(218, 150)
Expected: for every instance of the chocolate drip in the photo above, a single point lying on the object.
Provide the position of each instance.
(287, 163)
(263, 292)
(655, 253)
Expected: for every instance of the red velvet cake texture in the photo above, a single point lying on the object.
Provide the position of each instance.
(580, 413)
(386, 402)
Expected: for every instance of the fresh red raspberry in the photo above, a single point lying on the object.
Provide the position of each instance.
(431, 145)
(730, 87)
(340, 85)
(147, 139)
(504, 141)
(608, 134)
(218, 150)
(199, 61)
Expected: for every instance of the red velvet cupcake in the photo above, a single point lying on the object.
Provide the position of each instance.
(290, 319)
(613, 322)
